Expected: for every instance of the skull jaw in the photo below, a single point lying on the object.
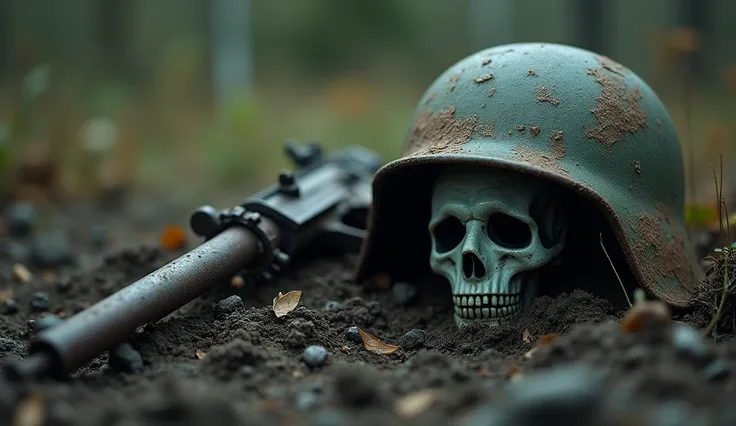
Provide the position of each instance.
(505, 302)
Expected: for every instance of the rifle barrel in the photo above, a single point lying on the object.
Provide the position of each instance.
(61, 350)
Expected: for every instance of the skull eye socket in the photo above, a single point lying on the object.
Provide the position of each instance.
(448, 234)
(508, 232)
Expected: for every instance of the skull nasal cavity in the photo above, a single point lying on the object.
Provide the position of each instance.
(472, 266)
(508, 231)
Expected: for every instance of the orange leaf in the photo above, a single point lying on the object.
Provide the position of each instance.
(174, 237)
(285, 303)
(645, 314)
(372, 344)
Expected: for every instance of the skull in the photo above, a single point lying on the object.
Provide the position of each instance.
(492, 230)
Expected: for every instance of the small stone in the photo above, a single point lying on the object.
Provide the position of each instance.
(413, 340)
(573, 393)
(296, 339)
(305, 400)
(20, 218)
(52, 250)
(40, 302)
(125, 359)
(46, 322)
(10, 307)
(353, 335)
(404, 293)
(328, 418)
(689, 343)
(333, 306)
(717, 370)
(16, 251)
(229, 305)
(315, 356)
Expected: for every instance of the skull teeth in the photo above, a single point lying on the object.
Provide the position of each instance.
(478, 306)
(488, 300)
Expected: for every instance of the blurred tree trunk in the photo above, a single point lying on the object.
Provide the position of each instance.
(232, 50)
(111, 15)
(591, 25)
(5, 37)
(695, 14)
(491, 22)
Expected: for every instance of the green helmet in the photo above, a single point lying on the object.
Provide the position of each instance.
(557, 112)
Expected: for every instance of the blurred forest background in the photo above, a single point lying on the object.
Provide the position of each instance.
(193, 97)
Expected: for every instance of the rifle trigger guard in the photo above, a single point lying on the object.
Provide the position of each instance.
(250, 220)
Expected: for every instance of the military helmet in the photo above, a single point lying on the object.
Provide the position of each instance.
(560, 113)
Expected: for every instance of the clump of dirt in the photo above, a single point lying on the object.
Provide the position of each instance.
(616, 111)
(542, 159)
(543, 95)
(246, 366)
(440, 132)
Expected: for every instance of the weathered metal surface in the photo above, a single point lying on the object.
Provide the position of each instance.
(555, 111)
(61, 350)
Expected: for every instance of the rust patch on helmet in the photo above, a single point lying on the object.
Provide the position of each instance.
(454, 78)
(440, 132)
(531, 73)
(534, 131)
(616, 111)
(487, 131)
(430, 98)
(521, 128)
(486, 62)
(543, 95)
(612, 65)
(492, 92)
(546, 160)
(670, 260)
(483, 78)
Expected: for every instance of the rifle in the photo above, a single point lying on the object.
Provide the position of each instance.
(323, 204)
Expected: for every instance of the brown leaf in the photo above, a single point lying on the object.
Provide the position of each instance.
(415, 403)
(527, 336)
(285, 303)
(21, 273)
(371, 343)
(514, 373)
(199, 354)
(6, 294)
(644, 315)
(31, 412)
(237, 282)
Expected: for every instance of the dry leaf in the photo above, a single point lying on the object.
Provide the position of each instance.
(345, 350)
(415, 403)
(199, 354)
(31, 412)
(527, 336)
(6, 295)
(530, 353)
(237, 282)
(546, 339)
(646, 314)
(371, 343)
(285, 303)
(382, 281)
(514, 373)
(21, 273)
(49, 276)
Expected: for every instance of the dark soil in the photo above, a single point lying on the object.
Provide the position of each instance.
(209, 367)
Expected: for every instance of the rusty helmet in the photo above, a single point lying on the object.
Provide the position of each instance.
(560, 113)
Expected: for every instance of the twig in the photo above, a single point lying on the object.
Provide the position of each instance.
(615, 271)
(725, 253)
